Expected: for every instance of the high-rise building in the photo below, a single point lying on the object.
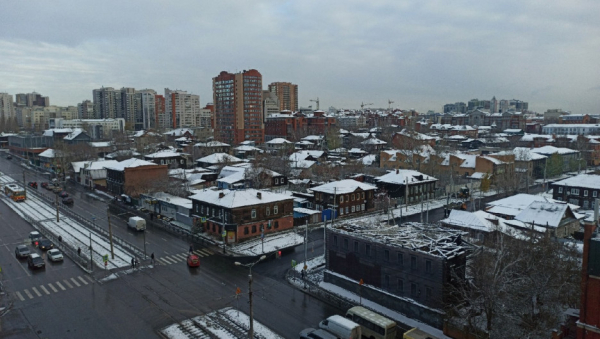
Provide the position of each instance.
(159, 110)
(238, 107)
(31, 99)
(181, 109)
(6, 106)
(287, 94)
(270, 104)
(147, 109)
(106, 103)
(85, 110)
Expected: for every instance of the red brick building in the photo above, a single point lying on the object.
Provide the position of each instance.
(285, 125)
(348, 197)
(319, 122)
(134, 176)
(159, 107)
(243, 213)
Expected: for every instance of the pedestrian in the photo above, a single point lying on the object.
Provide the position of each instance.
(152, 258)
(60, 238)
(137, 263)
(132, 263)
(191, 248)
(79, 251)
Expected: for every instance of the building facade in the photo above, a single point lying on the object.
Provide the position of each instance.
(287, 95)
(238, 107)
(181, 109)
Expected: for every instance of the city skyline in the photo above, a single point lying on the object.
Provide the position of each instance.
(420, 56)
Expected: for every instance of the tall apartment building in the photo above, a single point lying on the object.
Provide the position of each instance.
(31, 99)
(270, 104)
(85, 110)
(146, 110)
(129, 108)
(287, 94)
(238, 107)
(182, 109)
(159, 110)
(6, 106)
(106, 103)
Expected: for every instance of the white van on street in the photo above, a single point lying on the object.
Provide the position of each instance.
(137, 223)
(344, 328)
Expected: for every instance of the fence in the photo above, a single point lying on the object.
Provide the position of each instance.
(317, 292)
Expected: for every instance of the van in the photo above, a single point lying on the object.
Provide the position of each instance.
(137, 223)
(311, 333)
(344, 328)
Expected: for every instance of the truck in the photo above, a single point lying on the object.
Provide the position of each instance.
(137, 223)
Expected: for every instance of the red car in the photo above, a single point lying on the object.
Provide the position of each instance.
(193, 260)
(33, 184)
(45, 185)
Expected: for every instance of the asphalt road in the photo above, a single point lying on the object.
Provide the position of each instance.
(62, 301)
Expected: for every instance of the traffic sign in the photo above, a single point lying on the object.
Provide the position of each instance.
(294, 263)
(238, 291)
(105, 258)
(305, 267)
(361, 282)
(202, 219)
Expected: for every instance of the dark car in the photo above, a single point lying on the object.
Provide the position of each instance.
(45, 185)
(35, 261)
(9, 157)
(45, 244)
(67, 201)
(63, 194)
(32, 184)
(22, 251)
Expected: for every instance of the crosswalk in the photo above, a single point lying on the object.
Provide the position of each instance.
(181, 257)
(55, 287)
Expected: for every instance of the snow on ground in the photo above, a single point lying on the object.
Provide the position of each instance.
(74, 235)
(312, 264)
(271, 243)
(382, 310)
(226, 323)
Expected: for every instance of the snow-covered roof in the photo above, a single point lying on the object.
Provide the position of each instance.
(522, 154)
(543, 213)
(357, 150)
(278, 141)
(343, 187)
(172, 199)
(50, 132)
(302, 155)
(513, 205)
(164, 154)
(239, 198)
(179, 132)
(552, 150)
(219, 158)
(49, 153)
(123, 152)
(74, 134)
(78, 165)
(248, 148)
(306, 210)
(398, 177)
(98, 165)
(368, 160)
(212, 144)
(313, 137)
(130, 163)
(494, 160)
(582, 180)
(469, 160)
(100, 144)
(373, 141)
(479, 220)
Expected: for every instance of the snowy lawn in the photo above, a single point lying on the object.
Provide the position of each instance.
(271, 243)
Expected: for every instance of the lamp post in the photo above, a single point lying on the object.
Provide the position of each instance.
(237, 263)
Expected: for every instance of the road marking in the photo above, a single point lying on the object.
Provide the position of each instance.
(168, 260)
(36, 291)
(67, 283)
(75, 282)
(82, 280)
(28, 294)
(180, 256)
(206, 252)
(61, 286)
(20, 296)
(53, 288)
(163, 261)
(90, 279)
(44, 289)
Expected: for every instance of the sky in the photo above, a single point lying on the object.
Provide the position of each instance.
(419, 54)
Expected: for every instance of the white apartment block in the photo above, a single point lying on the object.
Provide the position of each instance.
(96, 128)
(351, 121)
(6, 106)
(147, 98)
(204, 118)
(181, 109)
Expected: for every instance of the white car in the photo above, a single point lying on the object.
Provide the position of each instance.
(54, 255)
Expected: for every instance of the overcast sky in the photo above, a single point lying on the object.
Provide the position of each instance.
(420, 54)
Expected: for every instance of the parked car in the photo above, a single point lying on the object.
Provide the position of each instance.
(45, 244)
(22, 251)
(34, 236)
(35, 261)
(33, 184)
(63, 194)
(67, 201)
(311, 333)
(57, 189)
(193, 260)
(54, 255)
(9, 157)
(45, 185)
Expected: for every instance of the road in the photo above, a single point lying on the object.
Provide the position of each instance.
(63, 301)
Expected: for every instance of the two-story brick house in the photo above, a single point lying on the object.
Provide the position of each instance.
(408, 185)
(134, 176)
(580, 190)
(347, 197)
(243, 213)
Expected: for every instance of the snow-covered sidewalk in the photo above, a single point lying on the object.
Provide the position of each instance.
(226, 323)
(271, 244)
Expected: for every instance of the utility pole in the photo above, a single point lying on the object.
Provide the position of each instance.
(324, 236)
(24, 184)
(56, 202)
(306, 243)
(91, 261)
(112, 252)
(421, 207)
(237, 263)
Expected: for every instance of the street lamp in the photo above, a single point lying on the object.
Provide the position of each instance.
(237, 263)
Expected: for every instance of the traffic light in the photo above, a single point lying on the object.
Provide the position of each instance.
(36, 243)
(278, 254)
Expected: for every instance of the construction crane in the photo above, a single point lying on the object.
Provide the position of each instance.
(390, 102)
(317, 101)
(362, 105)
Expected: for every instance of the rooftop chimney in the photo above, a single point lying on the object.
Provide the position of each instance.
(221, 195)
(259, 195)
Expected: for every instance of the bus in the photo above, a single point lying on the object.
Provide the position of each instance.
(15, 192)
(373, 325)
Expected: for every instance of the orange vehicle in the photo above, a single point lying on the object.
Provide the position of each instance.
(15, 192)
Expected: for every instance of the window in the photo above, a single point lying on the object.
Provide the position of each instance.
(253, 229)
(575, 191)
(267, 211)
(400, 259)
(400, 286)
(341, 211)
(595, 194)
(356, 246)
(586, 204)
(335, 240)
(363, 195)
(275, 209)
(352, 196)
(386, 255)
(341, 198)
(352, 209)
(363, 207)
(368, 250)
(246, 231)
(428, 266)
(560, 189)
(347, 210)
(413, 262)
(347, 198)
(413, 289)
(276, 224)
(585, 193)
(282, 180)
(276, 181)
(253, 214)
(345, 244)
